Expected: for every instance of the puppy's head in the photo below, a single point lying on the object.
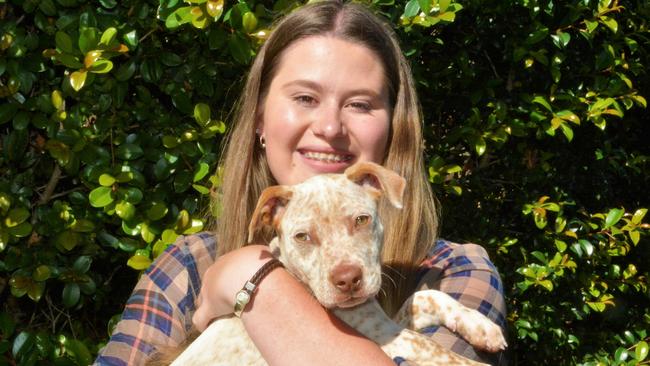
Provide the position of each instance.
(328, 234)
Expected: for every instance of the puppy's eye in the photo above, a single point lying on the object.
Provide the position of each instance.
(362, 220)
(302, 237)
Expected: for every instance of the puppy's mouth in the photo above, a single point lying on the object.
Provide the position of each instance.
(351, 302)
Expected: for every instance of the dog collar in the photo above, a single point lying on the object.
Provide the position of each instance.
(243, 297)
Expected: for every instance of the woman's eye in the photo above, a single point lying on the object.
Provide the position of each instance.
(305, 99)
(362, 220)
(302, 237)
(361, 106)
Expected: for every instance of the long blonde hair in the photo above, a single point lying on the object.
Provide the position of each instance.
(409, 233)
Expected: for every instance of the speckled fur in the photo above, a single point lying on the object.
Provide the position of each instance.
(326, 208)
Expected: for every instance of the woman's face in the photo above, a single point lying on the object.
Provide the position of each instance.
(326, 108)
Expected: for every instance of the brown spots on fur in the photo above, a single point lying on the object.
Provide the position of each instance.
(313, 233)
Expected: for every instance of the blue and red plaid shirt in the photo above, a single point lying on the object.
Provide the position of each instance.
(159, 311)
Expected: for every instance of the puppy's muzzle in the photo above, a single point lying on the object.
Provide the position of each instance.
(347, 278)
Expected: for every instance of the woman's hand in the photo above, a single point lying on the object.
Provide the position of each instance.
(224, 279)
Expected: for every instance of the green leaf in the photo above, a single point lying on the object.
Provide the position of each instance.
(139, 262)
(126, 71)
(201, 189)
(131, 39)
(621, 355)
(239, 49)
(177, 18)
(41, 273)
(88, 40)
(561, 39)
(7, 112)
(610, 23)
(543, 102)
(7, 325)
(101, 66)
(586, 247)
(425, 6)
(195, 226)
(547, 284)
(16, 216)
(133, 195)
(69, 61)
(146, 233)
(157, 211)
(540, 220)
(129, 151)
(214, 8)
(411, 9)
(23, 343)
(591, 25)
(201, 171)
(480, 145)
(108, 37)
(57, 100)
(169, 236)
(63, 42)
(78, 79)
(613, 216)
(567, 131)
(78, 350)
(82, 264)
(641, 351)
(125, 210)
(202, 113)
(20, 230)
(249, 21)
(199, 18)
(71, 295)
(67, 240)
(638, 215)
(106, 180)
(100, 196)
(83, 226)
(47, 7)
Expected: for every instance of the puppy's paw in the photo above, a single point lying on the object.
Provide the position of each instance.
(479, 330)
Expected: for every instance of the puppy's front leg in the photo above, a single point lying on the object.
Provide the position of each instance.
(431, 307)
(370, 320)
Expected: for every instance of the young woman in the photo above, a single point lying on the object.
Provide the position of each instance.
(329, 88)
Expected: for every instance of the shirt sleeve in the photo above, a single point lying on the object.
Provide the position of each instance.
(159, 311)
(465, 272)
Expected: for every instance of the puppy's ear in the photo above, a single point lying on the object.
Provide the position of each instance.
(378, 180)
(269, 209)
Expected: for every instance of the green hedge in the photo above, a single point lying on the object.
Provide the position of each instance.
(112, 114)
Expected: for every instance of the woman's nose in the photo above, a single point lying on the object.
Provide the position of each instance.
(328, 122)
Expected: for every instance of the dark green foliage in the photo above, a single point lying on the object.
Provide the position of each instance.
(112, 113)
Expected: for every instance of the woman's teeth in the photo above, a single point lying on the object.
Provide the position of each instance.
(327, 157)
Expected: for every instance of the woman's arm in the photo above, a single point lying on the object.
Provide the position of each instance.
(284, 321)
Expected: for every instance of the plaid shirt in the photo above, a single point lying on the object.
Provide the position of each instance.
(159, 311)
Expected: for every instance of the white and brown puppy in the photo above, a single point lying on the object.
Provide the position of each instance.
(329, 237)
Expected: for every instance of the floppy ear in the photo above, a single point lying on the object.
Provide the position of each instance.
(378, 180)
(269, 209)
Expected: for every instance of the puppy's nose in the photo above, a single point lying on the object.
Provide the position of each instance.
(347, 277)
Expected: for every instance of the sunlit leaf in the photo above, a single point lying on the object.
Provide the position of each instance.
(78, 79)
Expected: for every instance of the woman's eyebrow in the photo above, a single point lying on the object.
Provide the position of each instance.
(318, 87)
